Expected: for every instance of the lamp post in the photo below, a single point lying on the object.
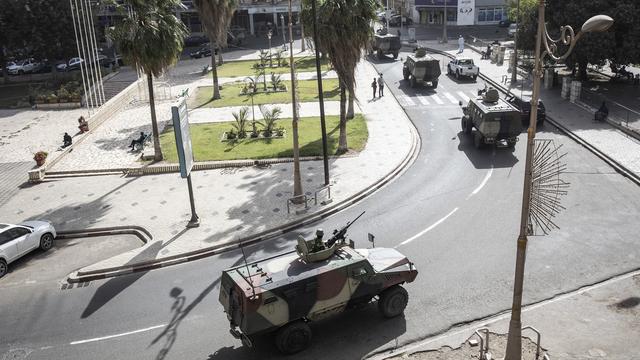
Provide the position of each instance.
(269, 35)
(284, 40)
(596, 23)
(444, 26)
(323, 127)
(514, 74)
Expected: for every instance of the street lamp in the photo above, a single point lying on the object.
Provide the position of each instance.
(284, 40)
(323, 126)
(444, 26)
(597, 23)
(269, 35)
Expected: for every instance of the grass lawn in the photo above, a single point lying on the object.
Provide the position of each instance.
(230, 94)
(206, 142)
(244, 67)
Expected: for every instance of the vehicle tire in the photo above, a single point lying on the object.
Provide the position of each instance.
(20, 72)
(293, 337)
(474, 77)
(412, 81)
(448, 70)
(405, 74)
(46, 241)
(458, 74)
(466, 125)
(435, 84)
(380, 54)
(3, 268)
(477, 140)
(395, 55)
(393, 301)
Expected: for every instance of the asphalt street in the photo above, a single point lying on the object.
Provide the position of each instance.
(455, 213)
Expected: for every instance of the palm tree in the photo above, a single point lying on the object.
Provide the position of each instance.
(269, 118)
(215, 15)
(344, 32)
(241, 121)
(150, 37)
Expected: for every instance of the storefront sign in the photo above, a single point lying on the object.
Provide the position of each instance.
(273, 9)
(466, 12)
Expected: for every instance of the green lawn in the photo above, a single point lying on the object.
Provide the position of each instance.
(207, 145)
(230, 94)
(245, 67)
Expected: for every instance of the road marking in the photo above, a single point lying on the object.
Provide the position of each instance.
(423, 99)
(436, 98)
(451, 98)
(116, 335)
(409, 101)
(463, 96)
(427, 229)
(482, 184)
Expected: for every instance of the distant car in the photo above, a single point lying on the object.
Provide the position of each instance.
(18, 240)
(524, 105)
(25, 67)
(195, 40)
(395, 20)
(513, 28)
(204, 51)
(463, 67)
(73, 64)
(504, 23)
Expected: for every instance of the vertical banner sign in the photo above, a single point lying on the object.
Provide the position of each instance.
(183, 138)
(466, 12)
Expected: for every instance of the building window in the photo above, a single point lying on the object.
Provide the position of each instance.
(498, 14)
(482, 15)
(489, 15)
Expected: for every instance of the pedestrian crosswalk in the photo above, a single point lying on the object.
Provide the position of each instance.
(440, 98)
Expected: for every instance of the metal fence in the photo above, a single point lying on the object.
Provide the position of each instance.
(618, 113)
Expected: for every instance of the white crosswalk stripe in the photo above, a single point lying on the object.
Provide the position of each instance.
(451, 98)
(408, 100)
(423, 99)
(437, 99)
(463, 96)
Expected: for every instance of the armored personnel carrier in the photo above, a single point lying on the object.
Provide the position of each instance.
(421, 69)
(495, 120)
(319, 279)
(385, 43)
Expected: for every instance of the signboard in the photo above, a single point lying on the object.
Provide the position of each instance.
(412, 34)
(466, 12)
(180, 118)
(272, 9)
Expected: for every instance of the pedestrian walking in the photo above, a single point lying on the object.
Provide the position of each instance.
(374, 86)
(380, 86)
(460, 44)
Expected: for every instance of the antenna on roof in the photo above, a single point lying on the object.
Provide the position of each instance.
(244, 257)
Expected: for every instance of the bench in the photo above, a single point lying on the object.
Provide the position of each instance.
(600, 116)
(184, 93)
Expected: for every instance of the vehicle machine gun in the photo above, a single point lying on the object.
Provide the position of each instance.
(341, 234)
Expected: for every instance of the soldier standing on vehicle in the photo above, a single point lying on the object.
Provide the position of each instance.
(380, 86)
(374, 86)
(318, 245)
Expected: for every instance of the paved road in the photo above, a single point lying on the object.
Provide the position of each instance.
(455, 212)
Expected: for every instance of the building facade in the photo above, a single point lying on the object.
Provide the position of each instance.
(459, 12)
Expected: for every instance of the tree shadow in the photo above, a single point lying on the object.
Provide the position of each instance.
(485, 157)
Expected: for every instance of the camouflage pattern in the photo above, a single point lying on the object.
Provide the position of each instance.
(421, 68)
(264, 295)
(494, 119)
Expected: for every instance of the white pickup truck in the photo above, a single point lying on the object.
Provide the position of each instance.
(463, 67)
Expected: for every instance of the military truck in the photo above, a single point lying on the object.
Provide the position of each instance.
(283, 293)
(495, 120)
(421, 69)
(385, 43)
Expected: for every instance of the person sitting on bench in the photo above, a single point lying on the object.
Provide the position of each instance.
(66, 141)
(602, 113)
(138, 141)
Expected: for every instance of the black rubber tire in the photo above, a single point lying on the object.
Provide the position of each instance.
(3, 268)
(405, 75)
(293, 337)
(380, 54)
(466, 125)
(46, 241)
(474, 77)
(393, 301)
(395, 55)
(448, 70)
(435, 84)
(412, 81)
(458, 75)
(477, 140)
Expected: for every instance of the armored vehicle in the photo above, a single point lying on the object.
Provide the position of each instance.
(385, 43)
(495, 120)
(421, 68)
(283, 293)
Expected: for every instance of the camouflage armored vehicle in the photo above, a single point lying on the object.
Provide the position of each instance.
(285, 292)
(385, 43)
(421, 68)
(495, 120)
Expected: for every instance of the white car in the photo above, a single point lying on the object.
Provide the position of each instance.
(73, 64)
(24, 67)
(18, 240)
(463, 67)
(513, 28)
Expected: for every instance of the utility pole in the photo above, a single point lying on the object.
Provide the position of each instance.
(514, 74)
(323, 127)
(444, 24)
(297, 182)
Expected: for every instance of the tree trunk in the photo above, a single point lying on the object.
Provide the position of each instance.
(350, 113)
(220, 61)
(303, 47)
(214, 74)
(342, 140)
(154, 123)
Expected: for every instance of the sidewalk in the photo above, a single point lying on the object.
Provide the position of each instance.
(598, 322)
(233, 203)
(622, 148)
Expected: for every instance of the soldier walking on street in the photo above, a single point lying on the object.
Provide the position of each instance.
(381, 86)
(374, 86)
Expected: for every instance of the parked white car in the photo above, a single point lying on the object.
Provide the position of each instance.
(513, 28)
(73, 64)
(18, 240)
(463, 67)
(24, 67)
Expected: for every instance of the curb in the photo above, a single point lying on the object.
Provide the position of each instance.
(83, 276)
(619, 168)
(141, 233)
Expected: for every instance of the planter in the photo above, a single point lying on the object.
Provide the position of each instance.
(275, 134)
(40, 162)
